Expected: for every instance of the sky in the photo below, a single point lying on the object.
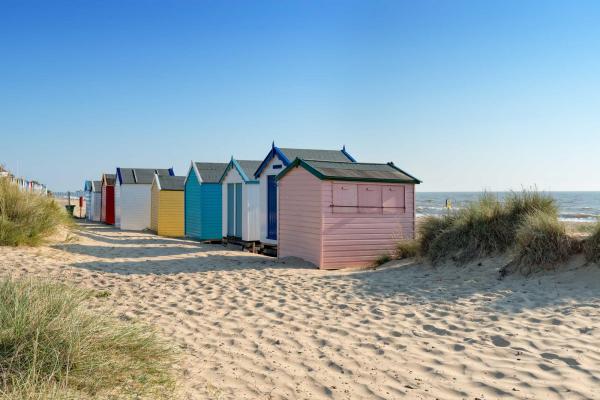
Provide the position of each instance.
(465, 95)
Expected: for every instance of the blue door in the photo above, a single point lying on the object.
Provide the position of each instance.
(238, 210)
(230, 209)
(271, 207)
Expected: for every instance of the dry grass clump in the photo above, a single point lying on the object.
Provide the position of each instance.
(484, 228)
(408, 249)
(430, 228)
(27, 218)
(53, 347)
(382, 259)
(541, 243)
(591, 246)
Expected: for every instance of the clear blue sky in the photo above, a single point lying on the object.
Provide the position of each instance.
(466, 95)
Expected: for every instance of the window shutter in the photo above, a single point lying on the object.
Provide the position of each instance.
(369, 199)
(345, 199)
(393, 199)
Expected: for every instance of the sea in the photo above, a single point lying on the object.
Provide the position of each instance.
(573, 206)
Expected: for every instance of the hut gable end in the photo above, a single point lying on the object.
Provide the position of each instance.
(300, 219)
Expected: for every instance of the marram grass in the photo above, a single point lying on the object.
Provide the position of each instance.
(541, 243)
(591, 246)
(27, 218)
(484, 228)
(53, 347)
(408, 249)
(525, 225)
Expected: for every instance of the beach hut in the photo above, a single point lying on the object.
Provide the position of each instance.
(87, 195)
(344, 214)
(95, 204)
(277, 159)
(240, 201)
(107, 214)
(203, 201)
(133, 196)
(166, 212)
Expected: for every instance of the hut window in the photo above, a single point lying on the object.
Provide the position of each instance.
(345, 199)
(369, 199)
(393, 199)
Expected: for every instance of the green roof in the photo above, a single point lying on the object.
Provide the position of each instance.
(352, 171)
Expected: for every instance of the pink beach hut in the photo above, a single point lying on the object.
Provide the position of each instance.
(344, 214)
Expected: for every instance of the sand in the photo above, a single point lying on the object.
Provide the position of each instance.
(250, 327)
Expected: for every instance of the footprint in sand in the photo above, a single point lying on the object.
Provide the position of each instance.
(437, 331)
(499, 341)
(546, 368)
(498, 375)
(571, 362)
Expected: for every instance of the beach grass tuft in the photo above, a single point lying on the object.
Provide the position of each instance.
(591, 246)
(541, 243)
(53, 347)
(382, 259)
(27, 218)
(408, 249)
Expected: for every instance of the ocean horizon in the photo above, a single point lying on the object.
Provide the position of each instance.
(572, 206)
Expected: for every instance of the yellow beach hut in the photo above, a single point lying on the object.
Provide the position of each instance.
(167, 208)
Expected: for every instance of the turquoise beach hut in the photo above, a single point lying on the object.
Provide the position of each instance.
(203, 201)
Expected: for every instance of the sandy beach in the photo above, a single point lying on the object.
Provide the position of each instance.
(251, 327)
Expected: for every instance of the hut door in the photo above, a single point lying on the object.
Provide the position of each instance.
(238, 210)
(271, 207)
(230, 209)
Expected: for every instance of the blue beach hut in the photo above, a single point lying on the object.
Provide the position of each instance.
(203, 201)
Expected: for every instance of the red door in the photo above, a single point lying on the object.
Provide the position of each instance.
(108, 205)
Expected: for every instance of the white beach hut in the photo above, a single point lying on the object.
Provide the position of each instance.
(95, 204)
(241, 201)
(133, 196)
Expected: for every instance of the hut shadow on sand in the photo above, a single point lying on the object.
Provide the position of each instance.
(130, 253)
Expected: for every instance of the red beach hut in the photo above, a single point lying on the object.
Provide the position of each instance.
(108, 199)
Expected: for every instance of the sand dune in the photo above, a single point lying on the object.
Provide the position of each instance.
(253, 328)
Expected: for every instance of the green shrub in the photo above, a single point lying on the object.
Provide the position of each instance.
(591, 246)
(51, 346)
(485, 227)
(27, 218)
(541, 243)
(408, 249)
